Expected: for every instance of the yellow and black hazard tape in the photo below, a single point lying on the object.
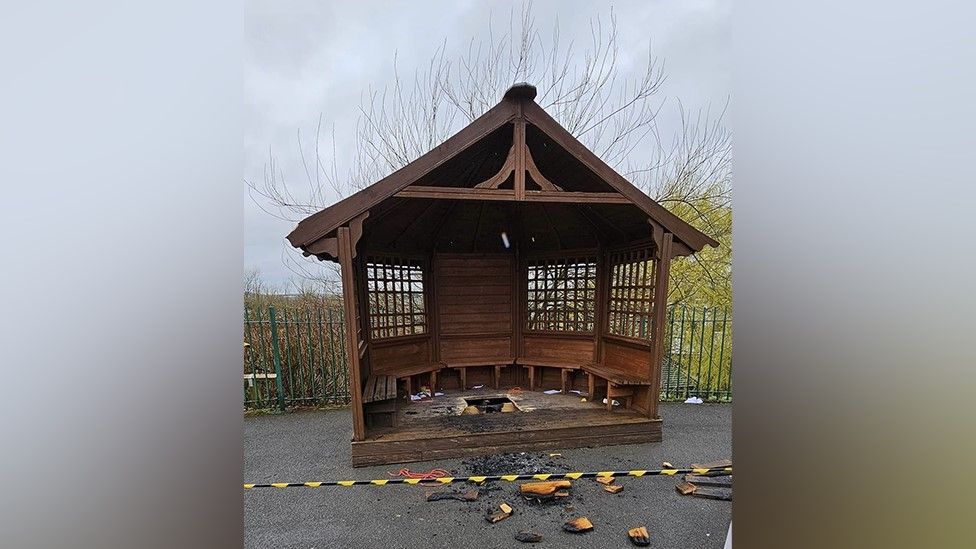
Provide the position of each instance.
(491, 478)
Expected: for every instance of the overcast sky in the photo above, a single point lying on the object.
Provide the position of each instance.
(312, 58)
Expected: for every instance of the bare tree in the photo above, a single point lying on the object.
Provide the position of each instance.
(582, 87)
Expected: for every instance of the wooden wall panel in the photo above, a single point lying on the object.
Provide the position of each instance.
(391, 356)
(559, 349)
(474, 299)
(624, 356)
(474, 349)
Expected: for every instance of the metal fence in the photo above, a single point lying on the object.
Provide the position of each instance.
(698, 358)
(294, 356)
(297, 356)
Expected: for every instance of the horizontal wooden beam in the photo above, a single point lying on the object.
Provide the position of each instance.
(462, 193)
(455, 193)
(576, 197)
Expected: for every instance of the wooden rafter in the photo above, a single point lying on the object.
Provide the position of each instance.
(413, 224)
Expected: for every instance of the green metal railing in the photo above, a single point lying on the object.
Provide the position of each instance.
(698, 356)
(296, 356)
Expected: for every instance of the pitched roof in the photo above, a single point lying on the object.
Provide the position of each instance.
(518, 102)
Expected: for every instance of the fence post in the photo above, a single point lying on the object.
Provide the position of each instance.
(276, 354)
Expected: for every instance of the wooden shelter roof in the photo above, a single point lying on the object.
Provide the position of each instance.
(481, 176)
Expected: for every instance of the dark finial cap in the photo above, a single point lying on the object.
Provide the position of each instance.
(522, 90)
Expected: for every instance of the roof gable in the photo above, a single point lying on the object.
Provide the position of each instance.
(518, 107)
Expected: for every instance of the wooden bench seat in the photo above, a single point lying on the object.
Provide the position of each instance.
(616, 376)
(461, 367)
(431, 368)
(620, 385)
(379, 388)
(566, 370)
(380, 399)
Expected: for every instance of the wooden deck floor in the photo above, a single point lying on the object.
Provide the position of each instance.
(435, 430)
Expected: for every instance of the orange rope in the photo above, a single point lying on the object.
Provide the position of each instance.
(433, 473)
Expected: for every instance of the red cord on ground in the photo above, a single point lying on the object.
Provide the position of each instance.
(407, 473)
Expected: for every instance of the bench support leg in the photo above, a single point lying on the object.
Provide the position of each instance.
(609, 396)
(564, 374)
(531, 378)
(433, 383)
(591, 387)
(463, 372)
(498, 375)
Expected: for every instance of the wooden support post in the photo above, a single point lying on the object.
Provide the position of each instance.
(531, 378)
(498, 375)
(433, 383)
(659, 320)
(409, 385)
(464, 378)
(591, 387)
(609, 396)
(600, 311)
(564, 377)
(433, 318)
(346, 247)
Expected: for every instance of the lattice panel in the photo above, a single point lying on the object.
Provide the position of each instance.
(631, 294)
(395, 291)
(561, 295)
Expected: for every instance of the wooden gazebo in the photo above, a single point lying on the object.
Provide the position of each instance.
(505, 262)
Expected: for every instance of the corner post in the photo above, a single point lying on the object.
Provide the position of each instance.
(346, 255)
(659, 318)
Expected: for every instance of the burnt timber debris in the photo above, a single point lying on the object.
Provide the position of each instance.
(578, 525)
(639, 536)
(708, 485)
(503, 512)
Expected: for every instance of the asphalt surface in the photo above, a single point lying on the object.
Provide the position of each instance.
(313, 445)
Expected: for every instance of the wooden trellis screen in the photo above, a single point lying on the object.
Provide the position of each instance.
(561, 294)
(395, 292)
(631, 294)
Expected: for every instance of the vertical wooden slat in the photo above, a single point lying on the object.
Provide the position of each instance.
(517, 304)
